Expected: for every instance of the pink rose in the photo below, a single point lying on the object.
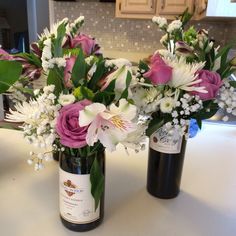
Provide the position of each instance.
(160, 73)
(4, 55)
(67, 127)
(212, 83)
(68, 71)
(87, 44)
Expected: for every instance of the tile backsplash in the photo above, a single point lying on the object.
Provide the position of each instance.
(128, 35)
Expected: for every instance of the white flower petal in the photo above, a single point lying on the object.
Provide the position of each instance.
(89, 113)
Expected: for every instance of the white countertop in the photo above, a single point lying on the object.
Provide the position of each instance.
(206, 205)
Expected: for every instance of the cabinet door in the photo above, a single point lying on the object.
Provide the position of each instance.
(136, 8)
(201, 7)
(174, 7)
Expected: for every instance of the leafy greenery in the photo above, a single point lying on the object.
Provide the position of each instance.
(55, 78)
(79, 69)
(10, 72)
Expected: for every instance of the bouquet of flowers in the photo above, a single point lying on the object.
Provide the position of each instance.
(86, 105)
(186, 80)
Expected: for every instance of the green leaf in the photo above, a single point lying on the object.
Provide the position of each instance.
(97, 180)
(210, 109)
(54, 78)
(125, 93)
(233, 83)
(86, 93)
(199, 123)
(10, 72)
(79, 69)
(98, 74)
(71, 51)
(61, 30)
(154, 125)
(9, 126)
(143, 66)
(31, 58)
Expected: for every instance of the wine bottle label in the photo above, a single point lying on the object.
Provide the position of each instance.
(162, 141)
(77, 204)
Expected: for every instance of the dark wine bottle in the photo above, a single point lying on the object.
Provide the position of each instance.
(165, 164)
(77, 206)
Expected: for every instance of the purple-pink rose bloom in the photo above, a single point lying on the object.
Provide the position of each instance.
(160, 73)
(87, 44)
(70, 133)
(212, 83)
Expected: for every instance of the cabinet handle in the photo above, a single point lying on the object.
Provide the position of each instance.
(162, 4)
(152, 4)
(120, 6)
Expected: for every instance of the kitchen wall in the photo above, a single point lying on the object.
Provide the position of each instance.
(126, 37)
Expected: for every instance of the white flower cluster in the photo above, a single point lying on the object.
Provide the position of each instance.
(161, 21)
(48, 62)
(184, 108)
(39, 117)
(76, 24)
(174, 25)
(227, 99)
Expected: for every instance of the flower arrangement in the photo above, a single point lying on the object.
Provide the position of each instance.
(186, 80)
(85, 107)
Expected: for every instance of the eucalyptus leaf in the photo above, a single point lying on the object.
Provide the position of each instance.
(54, 78)
(79, 69)
(97, 180)
(57, 42)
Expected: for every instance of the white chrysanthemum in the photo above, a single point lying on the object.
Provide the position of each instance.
(146, 99)
(174, 25)
(167, 104)
(184, 74)
(66, 99)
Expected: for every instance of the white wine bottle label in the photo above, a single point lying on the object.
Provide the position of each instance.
(77, 204)
(162, 141)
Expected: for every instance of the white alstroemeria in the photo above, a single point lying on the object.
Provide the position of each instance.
(184, 74)
(66, 99)
(109, 126)
(92, 70)
(136, 140)
(119, 62)
(217, 61)
(120, 76)
(174, 25)
(167, 104)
